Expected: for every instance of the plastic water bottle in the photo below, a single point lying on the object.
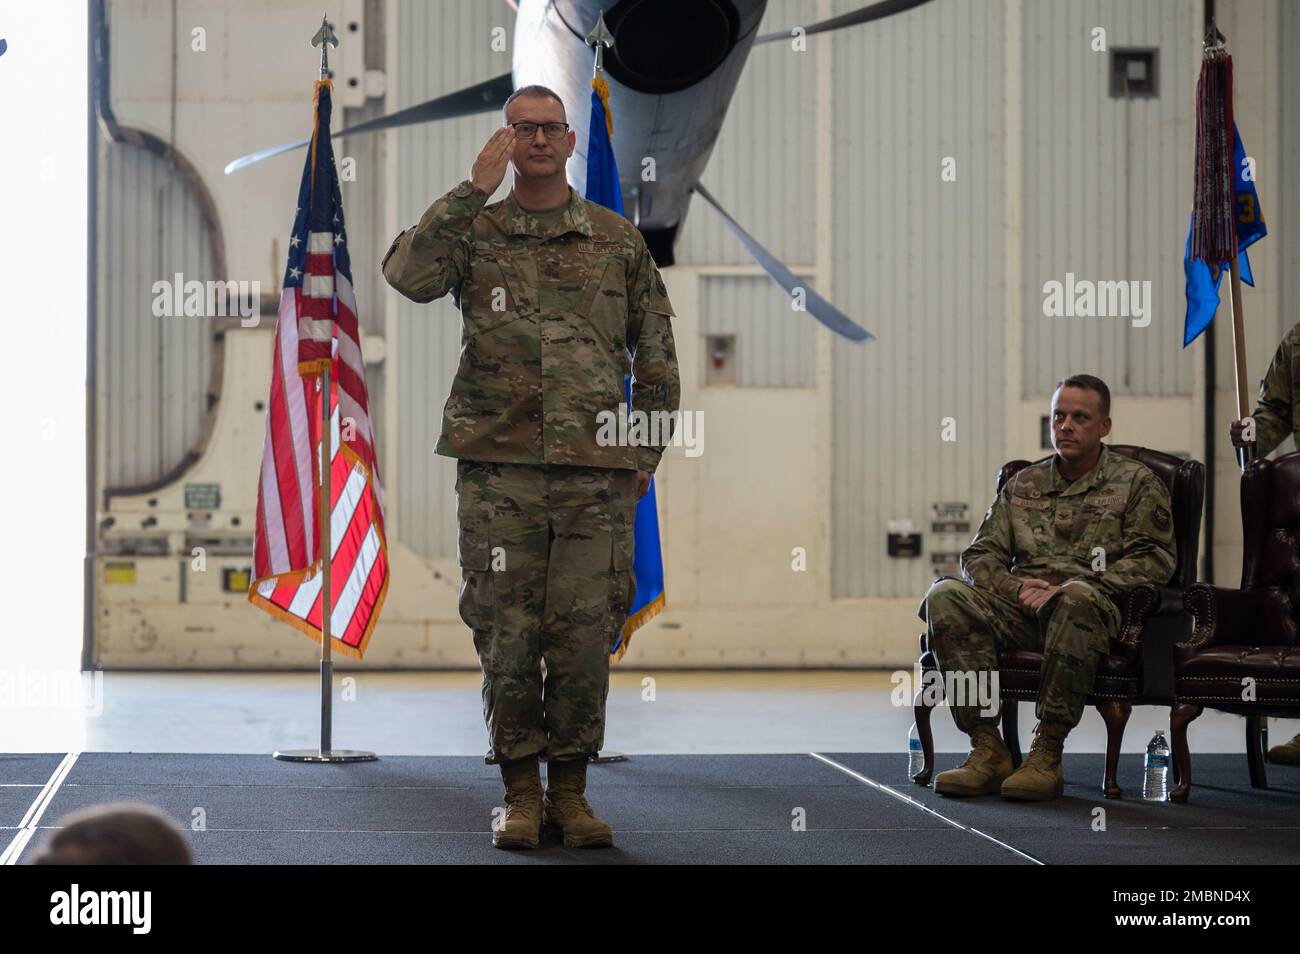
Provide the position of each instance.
(1155, 774)
(915, 757)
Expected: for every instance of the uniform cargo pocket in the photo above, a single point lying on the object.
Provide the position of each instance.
(604, 302)
(489, 301)
(472, 550)
(476, 597)
(476, 600)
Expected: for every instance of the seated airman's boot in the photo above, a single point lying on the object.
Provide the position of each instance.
(982, 773)
(1288, 753)
(567, 808)
(520, 826)
(1039, 776)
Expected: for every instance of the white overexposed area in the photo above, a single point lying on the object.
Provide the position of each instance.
(43, 108)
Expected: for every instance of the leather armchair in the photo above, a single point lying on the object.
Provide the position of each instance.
(1242, 656)
(1139, 668)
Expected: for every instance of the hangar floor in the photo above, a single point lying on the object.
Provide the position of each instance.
(851, 809)
(721, 763)
(395, 713)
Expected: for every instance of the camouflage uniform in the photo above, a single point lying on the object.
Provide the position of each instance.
(1045, 527)
(1278, 410)
(551, 305)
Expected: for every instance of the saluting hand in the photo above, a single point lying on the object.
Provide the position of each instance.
(490, 166)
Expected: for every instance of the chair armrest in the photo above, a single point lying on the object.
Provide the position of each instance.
(1143, 600)
(1221, 616)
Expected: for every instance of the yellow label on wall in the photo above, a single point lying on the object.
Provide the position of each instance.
(119, 572)
(236, 581)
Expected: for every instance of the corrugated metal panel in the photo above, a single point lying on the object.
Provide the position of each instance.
(1107, 189)
(431, 159)
(775, 346)
(920, 263)
(154, 373)
(761, 169)
(363, 207)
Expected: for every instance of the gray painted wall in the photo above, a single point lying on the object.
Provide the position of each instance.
(920, 263)
(1107, 189)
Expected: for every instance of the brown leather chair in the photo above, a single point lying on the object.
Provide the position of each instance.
(1138, 670)
(1248, 633)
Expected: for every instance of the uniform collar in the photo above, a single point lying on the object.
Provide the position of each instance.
(574, 219)
(1087, 481)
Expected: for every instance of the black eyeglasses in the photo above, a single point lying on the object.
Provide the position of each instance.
(529, 130)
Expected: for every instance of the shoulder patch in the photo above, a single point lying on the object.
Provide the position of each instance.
(1160, 518)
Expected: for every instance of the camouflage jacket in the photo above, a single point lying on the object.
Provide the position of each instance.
(1279, 399)
(548, 318)
(1045, 527)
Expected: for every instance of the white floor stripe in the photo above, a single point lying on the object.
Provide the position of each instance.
(915, 804)
(27, 827)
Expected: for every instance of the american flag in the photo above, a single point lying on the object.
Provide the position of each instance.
(316, 327)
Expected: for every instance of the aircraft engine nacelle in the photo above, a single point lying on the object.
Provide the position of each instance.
(672, 72)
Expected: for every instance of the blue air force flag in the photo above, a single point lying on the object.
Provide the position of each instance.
(648, 565)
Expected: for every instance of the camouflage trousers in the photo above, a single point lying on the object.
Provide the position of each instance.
(546, 575)
(969, 626)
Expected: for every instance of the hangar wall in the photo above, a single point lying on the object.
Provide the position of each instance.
(831, 157)
(774, 346)
(426, 162)
(153, 374)
(922, 260)
(1107, 187)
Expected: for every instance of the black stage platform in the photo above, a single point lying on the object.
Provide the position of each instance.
(665, 809)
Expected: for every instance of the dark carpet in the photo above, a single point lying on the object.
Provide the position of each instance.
(669, 809)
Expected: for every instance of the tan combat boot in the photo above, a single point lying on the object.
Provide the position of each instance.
(1288, 753)
(982, 773)
(1039, 776)
(520, 826)
(567, 808)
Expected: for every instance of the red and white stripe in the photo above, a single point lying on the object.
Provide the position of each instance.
(287, 579)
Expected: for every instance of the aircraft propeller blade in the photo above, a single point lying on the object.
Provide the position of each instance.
(482, 98)
(876, 11)
(816, 305)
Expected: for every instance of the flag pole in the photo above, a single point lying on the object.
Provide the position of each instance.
(1245, 454)
(325, 38)
(601, 39)
(1214, 224)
